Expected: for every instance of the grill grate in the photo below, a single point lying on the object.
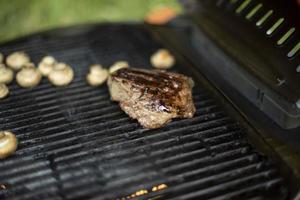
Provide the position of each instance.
(77, 144)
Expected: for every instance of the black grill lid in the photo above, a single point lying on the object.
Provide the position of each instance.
(262, 37)
(77, 144)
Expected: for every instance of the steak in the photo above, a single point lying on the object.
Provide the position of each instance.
(153, 97)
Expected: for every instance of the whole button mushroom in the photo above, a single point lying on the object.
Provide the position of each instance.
(96, 68)
(6, 74)
(17, 60)
(49, 60)
(118, 65)
(28, 77)
(4, 91)
(97, 75)
(8, 144)
(46, 65)
(162, 59)
(61, 75)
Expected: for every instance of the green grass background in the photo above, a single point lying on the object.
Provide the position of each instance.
(21, 17)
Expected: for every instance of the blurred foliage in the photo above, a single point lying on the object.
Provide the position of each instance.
(21, 17)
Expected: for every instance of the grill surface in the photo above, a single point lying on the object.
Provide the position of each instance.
(77, 144)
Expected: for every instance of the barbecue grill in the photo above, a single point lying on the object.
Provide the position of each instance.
(243, 142)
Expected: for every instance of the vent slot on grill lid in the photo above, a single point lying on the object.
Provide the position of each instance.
(243, 6)
(286, 36)
(264, 18)
(254, 11)
(294, 50)
(275, 26)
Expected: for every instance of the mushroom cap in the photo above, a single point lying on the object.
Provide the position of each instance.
(8, 144)
(96, 68)
(98, 77)
(162, 59)
(61, 75)
(6, 74)
(45, 68)
(48, 60)
(118, 65)
(4, 91)
(17, 60)
(46, 65)
(29, 65)
(28, 77)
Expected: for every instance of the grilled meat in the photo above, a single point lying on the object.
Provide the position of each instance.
(152, 97)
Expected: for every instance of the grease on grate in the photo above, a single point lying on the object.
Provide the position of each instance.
(144, 192)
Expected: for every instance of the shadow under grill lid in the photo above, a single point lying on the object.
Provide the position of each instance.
(77, 144)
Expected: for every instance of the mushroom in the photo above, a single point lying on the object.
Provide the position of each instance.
(49, 60)
(97, 75)
(8, 144)
(118, 65)
(28, 77)
(6, 74)
(162, 59)
(61, 75)
(46, 65)
(4, 91)
(29, 65)
(17, 60)
(96, 68)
